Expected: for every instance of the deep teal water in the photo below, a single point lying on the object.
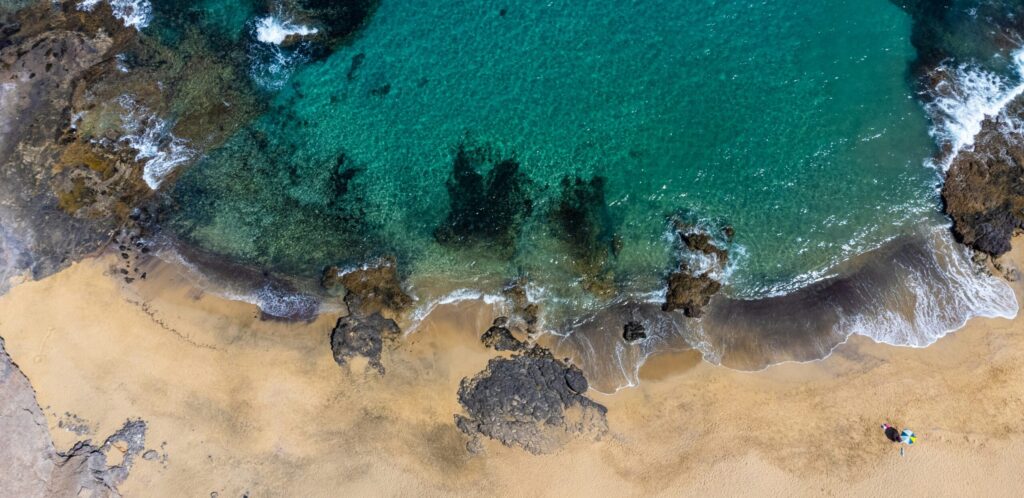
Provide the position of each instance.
(794, 122)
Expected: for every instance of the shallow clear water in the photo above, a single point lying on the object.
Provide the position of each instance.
(794, 122)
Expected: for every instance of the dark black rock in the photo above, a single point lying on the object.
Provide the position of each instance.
(633, 331)
(530, 400)
(575, 380)
(500, 338)
(362, 336)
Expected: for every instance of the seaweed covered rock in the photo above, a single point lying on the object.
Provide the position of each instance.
(689, 292)
(984, 188)
(485, 209)
(692, 284)
(581, 219)
(500, 338)
(369, 289)
(364, 336)
(532, 401)
(522, 308)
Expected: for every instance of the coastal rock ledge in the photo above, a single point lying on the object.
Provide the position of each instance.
(984, 189)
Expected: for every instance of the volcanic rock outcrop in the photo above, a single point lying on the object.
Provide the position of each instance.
(984, 189)
(36, 467)
(532, 401)
(357, 335)
(500, 338)
(690, 287)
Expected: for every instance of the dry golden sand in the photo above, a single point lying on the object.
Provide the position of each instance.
(243, 405)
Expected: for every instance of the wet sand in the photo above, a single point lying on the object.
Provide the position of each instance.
(236, 404)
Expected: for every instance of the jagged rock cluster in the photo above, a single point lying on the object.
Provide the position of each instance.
(369, 291)
(500, 338)
(530, 400)
(359, 335)
(984, 189)
(690, 289)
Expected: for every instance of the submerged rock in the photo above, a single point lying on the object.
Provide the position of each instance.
(336, 19)
(485, 210)
(984, 189)
(364, 336)
(532, 401)
(581, 219)
(370, 289)
(633, 331)
(522, 308)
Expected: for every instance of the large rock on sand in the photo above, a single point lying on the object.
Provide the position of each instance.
(532, 401)
(357, 335)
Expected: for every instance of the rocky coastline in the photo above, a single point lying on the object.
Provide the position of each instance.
(72, 186)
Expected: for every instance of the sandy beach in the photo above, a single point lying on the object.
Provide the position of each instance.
(237, 405)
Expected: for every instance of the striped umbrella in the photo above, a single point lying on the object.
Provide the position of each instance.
(908, 436)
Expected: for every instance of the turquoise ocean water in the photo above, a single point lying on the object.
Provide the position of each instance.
(793, 122)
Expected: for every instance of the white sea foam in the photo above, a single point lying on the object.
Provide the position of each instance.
(133, 13)
(270, 299)
(153, 142)
(928, 308)
(456, 296)
(965, 100)
(272, 29)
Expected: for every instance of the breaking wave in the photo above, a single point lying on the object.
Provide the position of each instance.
(909, 292)
(133, 13)
(965, 96)
(271, 29)
(153, 142)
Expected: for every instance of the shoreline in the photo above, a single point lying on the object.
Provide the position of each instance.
(236, 399)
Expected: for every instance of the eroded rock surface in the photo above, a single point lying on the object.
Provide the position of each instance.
(500, 338)
(357, 335)
(532, 401)
(984, 189)
(32, 467)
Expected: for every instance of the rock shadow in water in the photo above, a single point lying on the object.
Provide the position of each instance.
(580, 218)
(485, 209)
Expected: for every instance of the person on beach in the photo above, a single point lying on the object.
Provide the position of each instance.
(892, 433)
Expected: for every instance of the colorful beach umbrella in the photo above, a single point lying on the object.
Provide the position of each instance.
(908, 436)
